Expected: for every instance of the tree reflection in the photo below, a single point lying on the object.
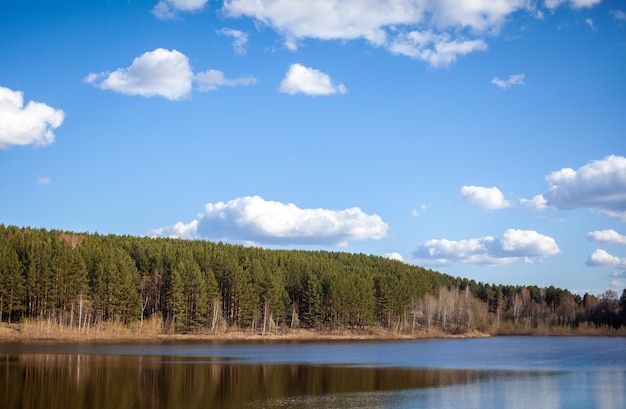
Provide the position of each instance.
(120, 381)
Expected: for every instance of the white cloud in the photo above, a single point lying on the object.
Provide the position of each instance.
(489, 198)
(514, 79)
(619, 15)
(328, 19)
(166, 9)
(429, 30)
(512, 245)
(527, 243)
(394, 256)
(472, 251)
(212, 79)
(32, 124)
(537, 203)
(439, 50)
(240, 39)
(600, 258)
(160, 72)
(178, 230)
(606, 236)
(599, 185)
(352, 19)
(44, 181)
(253, 219)
(476, 14)
(435, 31)
(309, 81)
(164, 73)
(576, 4)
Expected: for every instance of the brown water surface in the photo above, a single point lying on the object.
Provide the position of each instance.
(128, 381)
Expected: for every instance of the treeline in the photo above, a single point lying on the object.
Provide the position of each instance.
(84, 280)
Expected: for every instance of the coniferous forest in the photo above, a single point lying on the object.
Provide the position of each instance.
(81, 280)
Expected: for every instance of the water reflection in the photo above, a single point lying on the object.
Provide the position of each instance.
(117, 381)
(113, 381)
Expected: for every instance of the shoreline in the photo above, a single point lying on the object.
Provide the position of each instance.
(151, 332)
(37, 333)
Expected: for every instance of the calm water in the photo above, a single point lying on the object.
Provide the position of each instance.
(499, 372)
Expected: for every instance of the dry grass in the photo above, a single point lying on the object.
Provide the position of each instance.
(583, 329)
(152, 330)
(45, 330)
(8, 333)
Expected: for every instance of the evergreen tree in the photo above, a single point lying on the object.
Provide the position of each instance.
(311, 305)
(82, 279)
(11, 281)
(195, 291)
(176, 307)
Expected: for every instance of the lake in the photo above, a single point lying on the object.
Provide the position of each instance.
(497, 372)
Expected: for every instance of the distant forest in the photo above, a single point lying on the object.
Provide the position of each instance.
(83, 280)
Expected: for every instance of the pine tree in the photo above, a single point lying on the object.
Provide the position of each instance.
(175, 299)
(11, 281)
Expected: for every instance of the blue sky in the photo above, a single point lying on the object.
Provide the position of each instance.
(480, 138)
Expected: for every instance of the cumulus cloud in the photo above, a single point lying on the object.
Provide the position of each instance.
(426, 30)
(166, 9)
(489, 198)
(164, 73)
(160, 72)
(606, 236)
(475, 14)
(309, 81)
(394, 256)
(328, 19)
(472, 251)
(599, 185)
(511, 246)
(212, 79)
(32, 124)
(253, 219)
(527, 243)
(514, 79)
(435, 31)
(240, 39)
(601, 258)
(537, 203)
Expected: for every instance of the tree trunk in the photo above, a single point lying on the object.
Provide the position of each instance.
(294, 314)
(216, 304)
(265, 307)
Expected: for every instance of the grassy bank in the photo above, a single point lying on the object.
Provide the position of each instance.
(152, 330)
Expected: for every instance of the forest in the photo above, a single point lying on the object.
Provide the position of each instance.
(82, 280)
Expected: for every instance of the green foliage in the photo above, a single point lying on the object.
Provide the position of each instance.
(83, 279)
(11, 281)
